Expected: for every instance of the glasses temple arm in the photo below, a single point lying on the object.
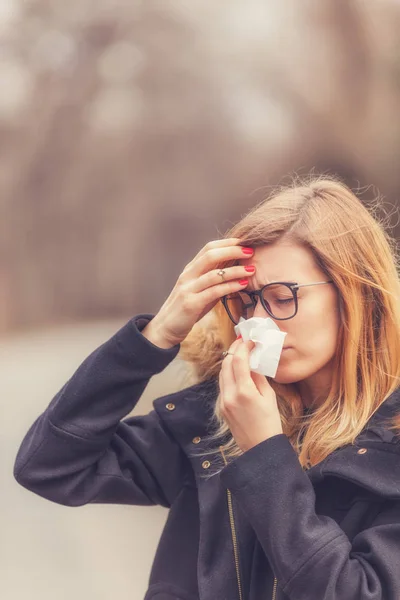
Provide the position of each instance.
(299, 285)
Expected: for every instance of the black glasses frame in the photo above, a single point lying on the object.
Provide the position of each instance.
(259, 294)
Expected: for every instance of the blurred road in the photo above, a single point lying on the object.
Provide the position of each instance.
(51, 552)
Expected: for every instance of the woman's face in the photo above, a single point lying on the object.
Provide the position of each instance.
(312, 334)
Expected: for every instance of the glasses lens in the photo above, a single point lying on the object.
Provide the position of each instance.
(278, 298)
(239, 305)
(280, 301)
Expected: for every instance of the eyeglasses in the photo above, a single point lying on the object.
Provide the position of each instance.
(279, 299)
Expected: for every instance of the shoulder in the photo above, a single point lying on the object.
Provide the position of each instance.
(206, 391)
(188, 412)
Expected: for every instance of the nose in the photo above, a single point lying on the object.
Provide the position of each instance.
(260, 311)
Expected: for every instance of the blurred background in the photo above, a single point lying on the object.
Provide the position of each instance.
(131, 133)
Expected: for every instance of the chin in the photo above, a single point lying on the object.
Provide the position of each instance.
(286, 375)
(284, 378)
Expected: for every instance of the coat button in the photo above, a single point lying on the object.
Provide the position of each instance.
(206, 464)
(170, 406)
(361, 451)
(196, 440)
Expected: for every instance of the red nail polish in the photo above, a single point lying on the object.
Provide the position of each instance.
(250, 269)
(239, 337)
(243, 281)
(247, 250)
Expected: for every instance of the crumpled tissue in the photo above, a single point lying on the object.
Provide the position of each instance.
(268, 338)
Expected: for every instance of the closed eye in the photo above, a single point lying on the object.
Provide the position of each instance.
(286, 301)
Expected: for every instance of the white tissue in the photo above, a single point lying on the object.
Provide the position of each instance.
(268, 338)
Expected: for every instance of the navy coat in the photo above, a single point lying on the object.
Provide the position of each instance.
(329, 533)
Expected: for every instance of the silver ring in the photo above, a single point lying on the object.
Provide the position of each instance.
(226, 353)
(222, 273)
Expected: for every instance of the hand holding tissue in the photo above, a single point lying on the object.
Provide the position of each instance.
(248, 402)
(268, 339)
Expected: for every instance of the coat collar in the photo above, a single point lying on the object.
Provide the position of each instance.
(376, 468)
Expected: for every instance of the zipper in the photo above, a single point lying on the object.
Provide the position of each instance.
(235, 544)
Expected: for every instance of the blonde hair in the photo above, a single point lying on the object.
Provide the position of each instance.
(351, 246)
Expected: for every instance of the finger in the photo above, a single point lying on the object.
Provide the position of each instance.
(234, 346)
(239, 340)
(241, 364)
(216, 292)
(226, 373)
(221, 389)
(216, 244)
(215, 257)
(213, 278)
(228, 384)
(260, 382)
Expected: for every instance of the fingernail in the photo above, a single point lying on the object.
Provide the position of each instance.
(239, 337)
(247, 250)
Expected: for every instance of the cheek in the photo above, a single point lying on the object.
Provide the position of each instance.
(320, 342)
(314, 338)
(317, 329)
(296, 365)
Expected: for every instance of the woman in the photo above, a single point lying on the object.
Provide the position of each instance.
(284, 487)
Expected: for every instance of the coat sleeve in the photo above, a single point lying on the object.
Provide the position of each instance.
(80, 451)
(310, 554)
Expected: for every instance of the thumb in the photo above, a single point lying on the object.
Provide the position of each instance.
(261, 382)
(250, 345)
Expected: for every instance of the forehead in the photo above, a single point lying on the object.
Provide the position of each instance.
(283, 262)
